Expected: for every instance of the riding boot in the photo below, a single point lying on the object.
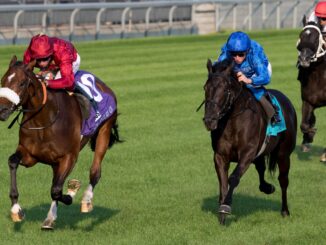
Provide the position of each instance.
(267, 106)
(276, 117)
(79, 89)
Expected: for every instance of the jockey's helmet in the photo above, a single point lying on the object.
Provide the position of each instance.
(41, 47)
(238, 42)
(320, 10)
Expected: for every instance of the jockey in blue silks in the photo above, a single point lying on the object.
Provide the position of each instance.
(252, 67)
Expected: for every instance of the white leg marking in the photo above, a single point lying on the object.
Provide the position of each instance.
(15, 208)
(88, 194)
(52, 214)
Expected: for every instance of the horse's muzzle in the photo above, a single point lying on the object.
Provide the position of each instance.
(210, 123)
(5, 112)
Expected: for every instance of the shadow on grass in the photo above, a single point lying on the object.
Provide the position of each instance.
(242, 206)
(316, 151)
(69, 217)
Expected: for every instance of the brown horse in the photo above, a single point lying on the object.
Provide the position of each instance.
(312, 77)
(238, 128)
(50, 132)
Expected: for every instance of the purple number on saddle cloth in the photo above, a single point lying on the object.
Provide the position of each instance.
(106, 103)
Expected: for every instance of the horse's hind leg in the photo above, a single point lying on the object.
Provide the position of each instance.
(60, 173)
(261, 167)
(283, 178)
(102, 142)
(323, 156)
(307, 126)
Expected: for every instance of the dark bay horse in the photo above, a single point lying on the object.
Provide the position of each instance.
(238, 128)
(50, 132)
(312, 77)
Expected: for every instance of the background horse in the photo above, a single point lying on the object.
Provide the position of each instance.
(312, 77)
(50, 132)
(238, 128)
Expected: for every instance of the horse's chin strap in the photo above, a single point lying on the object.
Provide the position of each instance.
(321, 44)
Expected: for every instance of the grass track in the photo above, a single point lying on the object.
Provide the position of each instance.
(160, 186)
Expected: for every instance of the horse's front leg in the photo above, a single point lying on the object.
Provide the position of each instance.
(21, 156)
(17, 213)
(307, 126)
(233, 181)
(60, 173)
(221, 168)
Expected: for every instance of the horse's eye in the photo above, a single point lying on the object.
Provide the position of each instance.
(22, 85)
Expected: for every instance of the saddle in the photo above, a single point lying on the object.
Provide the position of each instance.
(84, 105)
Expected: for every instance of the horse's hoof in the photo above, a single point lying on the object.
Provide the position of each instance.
(73, 185)
(18, 217)
(224, 209)
(305, 147)
(323, 157)
(86, 207)
(222, 218)
(285, 213)
(267, 188)
(48, 225)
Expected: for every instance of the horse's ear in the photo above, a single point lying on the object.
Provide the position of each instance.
(209, 66)
(13, 61)
(30, 65)
(304, 20)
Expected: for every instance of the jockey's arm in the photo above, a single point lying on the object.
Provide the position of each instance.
(67, 78)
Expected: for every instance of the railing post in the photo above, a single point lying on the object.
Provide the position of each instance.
(171, 12)
(147, 20)
(72, 23)
(98, 23)
(123, 20)
(16, 19)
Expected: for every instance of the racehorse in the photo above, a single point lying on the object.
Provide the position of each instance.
(238, 128)
(50, 132)
(312, 77)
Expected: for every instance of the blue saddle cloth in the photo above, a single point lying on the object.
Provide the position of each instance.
(273, 130)
(106, 103)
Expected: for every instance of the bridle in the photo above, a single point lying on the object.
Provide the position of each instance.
(321, 51)
(36, 110)
(228, 102)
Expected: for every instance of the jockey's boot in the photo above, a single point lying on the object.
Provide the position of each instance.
(276, 116)
(81, 90)
(268, 108)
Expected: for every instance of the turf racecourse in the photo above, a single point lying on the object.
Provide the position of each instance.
(160, 186)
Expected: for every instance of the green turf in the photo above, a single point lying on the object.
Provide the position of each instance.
(160, 186)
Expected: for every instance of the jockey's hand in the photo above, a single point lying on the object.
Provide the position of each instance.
(48, 75)
(242, 78)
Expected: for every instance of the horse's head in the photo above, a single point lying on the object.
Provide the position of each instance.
(310, 44)
(14, 86)
(220, 90)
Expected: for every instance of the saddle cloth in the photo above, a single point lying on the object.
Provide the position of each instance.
(274, 129)
(106, 102)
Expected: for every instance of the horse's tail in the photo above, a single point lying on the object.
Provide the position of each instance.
(114, 137)
(272, 160)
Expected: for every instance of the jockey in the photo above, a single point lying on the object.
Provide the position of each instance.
(319, 17)
(252, 68)
(54, 54)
